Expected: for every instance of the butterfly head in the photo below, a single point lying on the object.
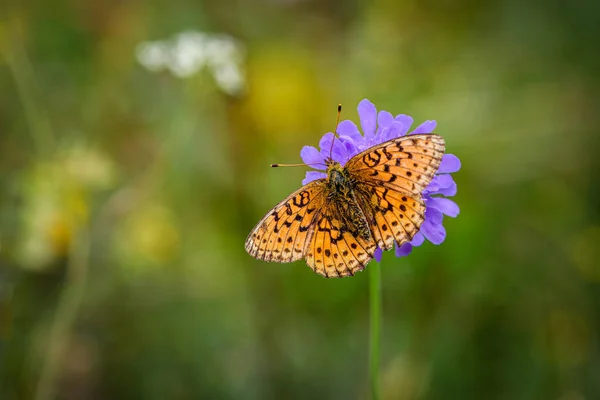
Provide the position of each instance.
(337, 178)
(332, 165)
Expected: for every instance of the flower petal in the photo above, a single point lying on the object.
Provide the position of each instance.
(368, 118)
(406, 121)
(325, 143)
(418, 240)
(444, 205)
(433, 186)
(449, 190)
(350, 147)
(380, 136)
(392, 132)
(450, 163)
(425, 127)
(435, 233)
(404, 250)
(384, 120)
(313, 176)
(438, 183)
(433, 215)
(349, 128)
(378, 254)
(312, 157)
(337, 152)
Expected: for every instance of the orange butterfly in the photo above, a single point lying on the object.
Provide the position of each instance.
(337, 222)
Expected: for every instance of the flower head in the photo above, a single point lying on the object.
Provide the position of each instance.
(379, 127)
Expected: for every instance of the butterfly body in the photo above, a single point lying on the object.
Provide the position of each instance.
(336, 223)
(341, 194)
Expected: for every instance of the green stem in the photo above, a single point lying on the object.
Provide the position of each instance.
(27, 91)
(66, 314)
(375, 328)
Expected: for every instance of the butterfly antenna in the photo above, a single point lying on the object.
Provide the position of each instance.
(337, 121)
(293, 165)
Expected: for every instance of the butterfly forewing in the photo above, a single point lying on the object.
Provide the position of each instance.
(406, 164)
(284, 233)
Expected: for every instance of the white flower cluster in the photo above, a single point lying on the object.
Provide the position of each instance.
(188, 52)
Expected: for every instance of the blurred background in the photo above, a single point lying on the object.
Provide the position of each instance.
(135, 140)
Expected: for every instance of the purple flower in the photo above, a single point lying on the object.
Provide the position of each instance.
(378, 128)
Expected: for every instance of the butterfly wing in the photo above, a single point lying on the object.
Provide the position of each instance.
(389, 180)
(283, 235)
(392, 216)
(406, 164)
(337, 247)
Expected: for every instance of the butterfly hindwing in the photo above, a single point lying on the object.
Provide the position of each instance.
(393, 216)
(337, 249)
(284, 233)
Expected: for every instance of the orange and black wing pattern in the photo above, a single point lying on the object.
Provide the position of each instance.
(283, 235)
(390, 178)
(337, 248)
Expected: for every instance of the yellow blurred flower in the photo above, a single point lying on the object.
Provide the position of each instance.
(56, 200)
(148, 236)
(289, 98)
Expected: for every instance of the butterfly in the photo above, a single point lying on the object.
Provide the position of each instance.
(336, 223)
